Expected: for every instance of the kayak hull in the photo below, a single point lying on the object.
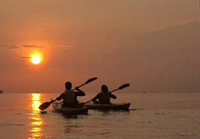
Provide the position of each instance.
(69, 111)
(115, 107)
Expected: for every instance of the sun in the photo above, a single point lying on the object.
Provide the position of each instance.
(36, 59)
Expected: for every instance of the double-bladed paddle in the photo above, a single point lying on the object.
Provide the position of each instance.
(88, 81)
(45, 105)
(119, 88)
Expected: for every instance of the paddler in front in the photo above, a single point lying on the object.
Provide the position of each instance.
(69, 96)
(104, 96)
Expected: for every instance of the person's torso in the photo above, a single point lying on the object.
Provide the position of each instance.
(104, 98)
(69, 97)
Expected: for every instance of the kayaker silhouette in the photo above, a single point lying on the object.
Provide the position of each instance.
(104, 96)
(70, 96)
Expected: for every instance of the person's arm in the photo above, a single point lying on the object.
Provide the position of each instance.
(60, 97)
(79, 92)
(96, 97)
(113, 96)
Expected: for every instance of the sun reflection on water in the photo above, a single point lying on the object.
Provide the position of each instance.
(35, 116)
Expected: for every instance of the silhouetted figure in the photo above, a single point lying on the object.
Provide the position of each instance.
(69, 96)
(104, 96)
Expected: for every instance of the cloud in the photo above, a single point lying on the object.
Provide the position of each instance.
(62, 46)
(31, 46)
(24, 58)
(11, 46)
(16, 46)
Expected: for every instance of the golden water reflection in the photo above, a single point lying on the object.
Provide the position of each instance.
(35, 116)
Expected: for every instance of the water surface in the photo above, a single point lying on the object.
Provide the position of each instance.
(152, 115)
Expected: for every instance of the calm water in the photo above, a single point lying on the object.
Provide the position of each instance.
(157, 116)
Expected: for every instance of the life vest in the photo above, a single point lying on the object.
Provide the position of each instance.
(104, 98)
(69, 97)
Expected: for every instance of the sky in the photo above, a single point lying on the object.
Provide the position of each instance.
(108, 39)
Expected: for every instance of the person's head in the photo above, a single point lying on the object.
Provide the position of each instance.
(104, 88)
(68, 85)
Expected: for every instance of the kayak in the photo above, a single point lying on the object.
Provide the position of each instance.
(116, 106)
(69, 111)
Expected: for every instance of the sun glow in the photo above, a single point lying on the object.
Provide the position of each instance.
(36, 58)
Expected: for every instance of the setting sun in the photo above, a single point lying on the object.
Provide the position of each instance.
(36, 59)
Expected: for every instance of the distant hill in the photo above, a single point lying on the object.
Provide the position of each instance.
(167, 60)
(182, 37)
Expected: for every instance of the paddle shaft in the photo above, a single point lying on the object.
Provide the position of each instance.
(88, 81)
(114, 90)
(80, 86)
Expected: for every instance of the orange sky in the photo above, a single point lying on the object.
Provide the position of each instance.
(83, 39)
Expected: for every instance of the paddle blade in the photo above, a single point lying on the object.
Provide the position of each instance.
(44, 105)
(124, 86)
(90, 80)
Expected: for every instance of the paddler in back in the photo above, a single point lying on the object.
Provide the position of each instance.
(69, 96)
(104, 96)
